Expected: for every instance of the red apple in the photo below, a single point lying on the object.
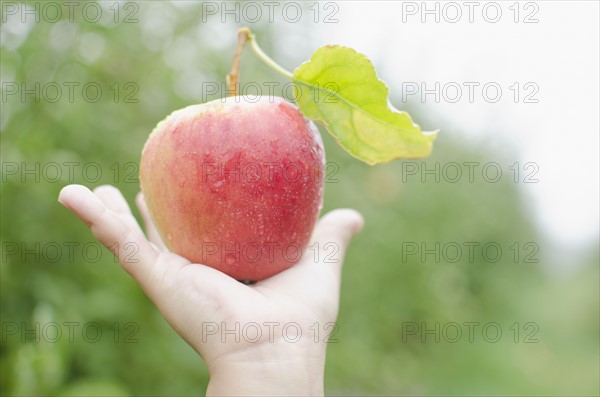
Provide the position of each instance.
(235, 184)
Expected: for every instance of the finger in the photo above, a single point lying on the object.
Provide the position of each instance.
(319, 270)
(113, 200)
(134, 252)
(150, 228)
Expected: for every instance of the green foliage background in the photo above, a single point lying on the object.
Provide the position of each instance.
(168, 54)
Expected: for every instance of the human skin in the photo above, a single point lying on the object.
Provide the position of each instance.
(192, 295)
(236, 184)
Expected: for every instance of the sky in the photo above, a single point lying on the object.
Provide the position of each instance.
(551, 118)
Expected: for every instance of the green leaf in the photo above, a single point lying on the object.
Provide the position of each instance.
(339, 88)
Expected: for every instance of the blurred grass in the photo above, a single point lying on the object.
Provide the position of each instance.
(167, 55)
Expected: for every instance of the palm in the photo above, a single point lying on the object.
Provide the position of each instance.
(226, 304)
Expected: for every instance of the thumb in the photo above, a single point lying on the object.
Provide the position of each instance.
(322, 260)
(316, 278)
(333, 234)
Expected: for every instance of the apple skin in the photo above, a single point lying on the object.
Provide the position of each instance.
(235, 184)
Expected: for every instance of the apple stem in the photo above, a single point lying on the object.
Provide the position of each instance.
(234, 74)
(246, 36)
(266, 59)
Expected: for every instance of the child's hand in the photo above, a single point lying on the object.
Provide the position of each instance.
(259, 339)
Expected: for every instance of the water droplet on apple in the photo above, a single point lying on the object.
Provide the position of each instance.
(215, 187)
(169, 237)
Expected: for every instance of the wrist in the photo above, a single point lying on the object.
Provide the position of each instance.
(296, 370)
